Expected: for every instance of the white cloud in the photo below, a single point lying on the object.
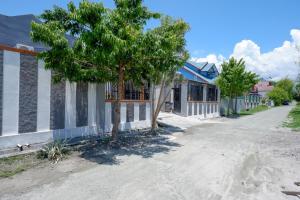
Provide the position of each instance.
(278, 63)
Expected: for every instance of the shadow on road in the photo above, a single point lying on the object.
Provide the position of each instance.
(139, 143)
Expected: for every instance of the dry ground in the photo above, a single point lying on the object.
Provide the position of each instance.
(252, 157)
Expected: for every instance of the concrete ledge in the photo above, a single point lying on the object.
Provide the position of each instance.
(10, 142)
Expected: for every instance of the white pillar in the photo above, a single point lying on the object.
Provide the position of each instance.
(136, 112)
(148, 114)
(204, 100)
(44, 91)
(10, 104)
(108, 122)
(184, 102)
(92, 110)
(70, 105)
(123, 112)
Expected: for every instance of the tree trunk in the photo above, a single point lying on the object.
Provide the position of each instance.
(235, 109)
(158, 108)
(155, 114)
(120, 91)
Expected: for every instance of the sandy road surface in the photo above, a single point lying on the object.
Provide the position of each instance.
(247, 158)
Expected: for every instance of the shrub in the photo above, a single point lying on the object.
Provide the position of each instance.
(53, 151)
(278, 95)
(287, 85)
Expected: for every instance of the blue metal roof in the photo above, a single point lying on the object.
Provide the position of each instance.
(195, 72)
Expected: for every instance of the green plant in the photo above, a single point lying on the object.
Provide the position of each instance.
(9, 166)
(54, 151)
(287, 85)
(254, 110)
(294, 118)
(234, 80)
(278, 95)
(109, 44)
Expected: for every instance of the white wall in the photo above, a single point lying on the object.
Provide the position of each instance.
(70, 105)
(43, 102)
(11, 81)
(92, 104)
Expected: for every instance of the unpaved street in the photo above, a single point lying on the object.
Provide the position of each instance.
(252, 157)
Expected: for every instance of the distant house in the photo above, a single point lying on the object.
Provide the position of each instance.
(33, 109)
(263, 87)
(197, 95)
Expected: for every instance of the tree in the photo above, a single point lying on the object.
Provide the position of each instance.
(297, 92)
(167, 46)
(234, 80)
(278, 95)
(287, 85)
(107, 45)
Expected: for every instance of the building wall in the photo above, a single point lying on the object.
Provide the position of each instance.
(244, 102)
(34, 109)
(133, 115)
(201, 109)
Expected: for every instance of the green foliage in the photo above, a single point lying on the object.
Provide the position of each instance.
(109, 45)
(254, 110)
(294, 118)
(287, 85)
(166, 48)
(53, 151)
(104, 40)
(234, 80)
(278, 95)
(9, 166)
(296, 92)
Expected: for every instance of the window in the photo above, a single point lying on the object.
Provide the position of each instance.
(130, 91)
(195, 91)
(212, 93)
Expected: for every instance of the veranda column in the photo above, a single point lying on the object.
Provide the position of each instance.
(184, 102)
(204, 100)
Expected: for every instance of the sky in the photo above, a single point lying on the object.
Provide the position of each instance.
(263, 32)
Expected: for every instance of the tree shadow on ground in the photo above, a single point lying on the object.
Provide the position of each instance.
(139, 143)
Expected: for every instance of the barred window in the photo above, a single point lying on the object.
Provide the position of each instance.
(212, 93)
(130, 91)
(195, 91)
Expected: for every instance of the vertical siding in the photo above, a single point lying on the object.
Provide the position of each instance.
(82, 104)
(28, 94)
(142, 114)
(57, 105)
(130, 112)
(195, 109)
(1, 89)
(113, 112)
(190, 110)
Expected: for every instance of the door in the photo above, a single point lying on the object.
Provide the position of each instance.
(177, 99)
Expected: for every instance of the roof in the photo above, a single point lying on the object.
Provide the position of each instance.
(16, 30)
(194, 72)
(263, 86)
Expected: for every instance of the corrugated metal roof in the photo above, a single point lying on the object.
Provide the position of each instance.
(193, 71)
(208, 67)
(199, 65)
(16, 30)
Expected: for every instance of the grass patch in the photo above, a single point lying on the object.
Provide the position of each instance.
(254, 110)
(10, 166)
(294, 118)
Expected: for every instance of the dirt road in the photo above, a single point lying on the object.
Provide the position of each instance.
(252, 157)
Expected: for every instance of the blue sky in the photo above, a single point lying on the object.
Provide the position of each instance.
(216, 25)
